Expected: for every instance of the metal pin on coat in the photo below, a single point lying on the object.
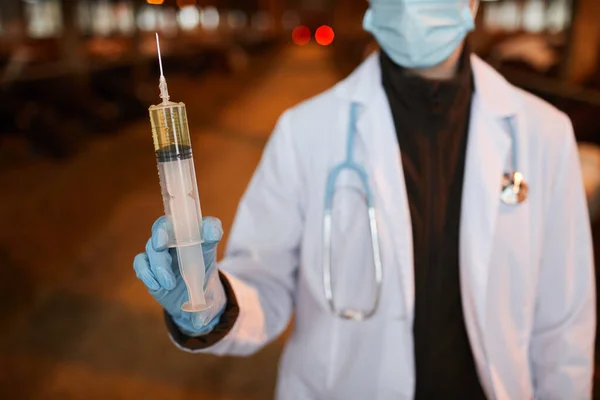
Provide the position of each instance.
(514, 187)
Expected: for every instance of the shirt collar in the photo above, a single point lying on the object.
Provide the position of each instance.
(414, 92)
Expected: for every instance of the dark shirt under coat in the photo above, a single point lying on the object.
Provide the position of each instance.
(432, 123)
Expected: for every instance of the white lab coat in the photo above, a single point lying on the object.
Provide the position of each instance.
(527, 273)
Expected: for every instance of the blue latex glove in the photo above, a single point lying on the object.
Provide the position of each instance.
(159, 270)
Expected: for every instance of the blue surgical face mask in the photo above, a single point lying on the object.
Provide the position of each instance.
(419, 33)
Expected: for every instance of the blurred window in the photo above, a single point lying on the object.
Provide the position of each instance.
(103, 21)
(167, 21)
(188, 18)
(209, 18)
(502, 15)
(237, 19)
(534, 16)
(84, 16)
(44, 18)
(530, 15)
(125, 18)
(147, 18)
(558, 15)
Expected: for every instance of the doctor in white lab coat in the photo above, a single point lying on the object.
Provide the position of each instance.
(526, 270)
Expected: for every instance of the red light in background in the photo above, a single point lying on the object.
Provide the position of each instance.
(324, 35)
(301, 35)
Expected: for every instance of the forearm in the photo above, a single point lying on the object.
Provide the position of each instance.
(243, 328)
(225, 323)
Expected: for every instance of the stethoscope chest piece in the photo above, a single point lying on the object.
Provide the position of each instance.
(514, 188)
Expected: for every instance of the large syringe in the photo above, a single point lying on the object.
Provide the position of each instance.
(173, 149)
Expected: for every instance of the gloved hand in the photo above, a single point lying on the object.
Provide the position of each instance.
(159, 270)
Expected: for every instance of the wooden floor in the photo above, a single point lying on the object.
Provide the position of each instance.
(75, 321)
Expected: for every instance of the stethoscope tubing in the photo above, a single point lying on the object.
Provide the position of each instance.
(350, 165)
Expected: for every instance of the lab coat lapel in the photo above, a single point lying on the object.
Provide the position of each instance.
(487, 152)
(487, 155)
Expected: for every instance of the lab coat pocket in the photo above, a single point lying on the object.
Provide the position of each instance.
(354, 358)
(371, 360)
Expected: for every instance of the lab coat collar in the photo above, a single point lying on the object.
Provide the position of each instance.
(493, 91)
(359, 86)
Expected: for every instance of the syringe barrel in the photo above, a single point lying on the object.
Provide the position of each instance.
(173, 148)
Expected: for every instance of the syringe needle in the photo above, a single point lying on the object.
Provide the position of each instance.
(164, 91)
(159, 57)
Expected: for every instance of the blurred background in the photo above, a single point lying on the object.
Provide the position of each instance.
(81, 190)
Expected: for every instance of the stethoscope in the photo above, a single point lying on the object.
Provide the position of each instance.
(514, 192)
